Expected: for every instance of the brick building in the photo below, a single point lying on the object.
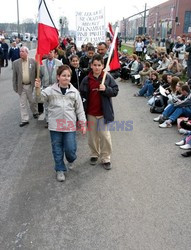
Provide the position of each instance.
(170, 18)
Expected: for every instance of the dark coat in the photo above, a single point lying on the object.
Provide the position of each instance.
(77, 77)
(1, 57)
(14, 54)
(5, 49)
(111, 91)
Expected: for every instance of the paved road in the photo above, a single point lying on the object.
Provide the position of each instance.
(143, 203)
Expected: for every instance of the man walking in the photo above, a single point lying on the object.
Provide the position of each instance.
(48, 74)
(24, 74)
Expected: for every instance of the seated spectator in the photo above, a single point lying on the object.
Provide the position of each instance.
(149, 86)
(145, 73)
(186, 142)
(124, 57)
(135, 65)
(132, 68)
(174, 68)
(168, 82)
(126, 68)
(175, 90)
(171, 56)
(151, 47)
(173, 111)
(164, 64)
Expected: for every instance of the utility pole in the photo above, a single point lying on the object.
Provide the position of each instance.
(18, 25)
(144, 19)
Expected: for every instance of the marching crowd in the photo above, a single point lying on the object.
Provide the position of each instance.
(70, 92)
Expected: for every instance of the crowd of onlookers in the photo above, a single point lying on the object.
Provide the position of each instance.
(163, 75)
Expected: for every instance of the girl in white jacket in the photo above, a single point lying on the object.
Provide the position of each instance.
(64, 106)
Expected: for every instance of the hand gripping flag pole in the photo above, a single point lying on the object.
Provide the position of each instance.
(110, 54)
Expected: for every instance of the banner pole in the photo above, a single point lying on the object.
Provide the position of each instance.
(38, 74)
(110, 54)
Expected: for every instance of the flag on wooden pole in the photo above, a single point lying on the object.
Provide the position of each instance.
(114, 64)
(107, 67)
(47, 31)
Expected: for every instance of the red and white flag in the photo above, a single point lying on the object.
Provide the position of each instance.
(114, 64)
(47, 31)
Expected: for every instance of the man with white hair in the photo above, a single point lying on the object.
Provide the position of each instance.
(24, 74)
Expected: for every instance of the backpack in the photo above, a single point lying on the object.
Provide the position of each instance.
(158, 105)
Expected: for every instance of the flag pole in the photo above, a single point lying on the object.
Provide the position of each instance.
(110, 54)
(38, 73)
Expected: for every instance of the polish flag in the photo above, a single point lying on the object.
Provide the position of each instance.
(114, 64)
(47, 31)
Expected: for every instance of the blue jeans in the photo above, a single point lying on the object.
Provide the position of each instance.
(173, 113)
(63, 143)
(168, 110)
(147, 89)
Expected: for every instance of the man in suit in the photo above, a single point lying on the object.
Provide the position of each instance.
(48, 75)
(24, 74)
(14, 53)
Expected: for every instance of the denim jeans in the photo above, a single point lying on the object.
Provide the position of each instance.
(185, 111)
(173, 113)
(168, 110)
(63, 143)
(147, 89)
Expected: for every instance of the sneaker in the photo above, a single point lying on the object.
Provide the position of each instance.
(93, 160)
(183, 131)
(136, 94)
(180, 143)
(70, 165)
(166, 124)
(186, 146)
(60, 176)
(156, 119)
(107, 165)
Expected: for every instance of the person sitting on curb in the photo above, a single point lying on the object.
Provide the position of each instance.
(145, 73)
(187, 141)
(164, 64)
(173, 111)
(150, 86)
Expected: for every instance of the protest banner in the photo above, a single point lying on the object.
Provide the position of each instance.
(90, 27)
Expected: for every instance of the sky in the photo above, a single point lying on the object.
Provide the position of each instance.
(114, 10)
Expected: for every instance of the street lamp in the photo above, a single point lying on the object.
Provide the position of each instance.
(18, 25)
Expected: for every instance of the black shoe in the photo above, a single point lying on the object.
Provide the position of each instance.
(93, 160)
(35, 116)
(22, 124)
(107, 165)
(186, 154)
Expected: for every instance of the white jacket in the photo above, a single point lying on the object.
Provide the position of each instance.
(62, 109)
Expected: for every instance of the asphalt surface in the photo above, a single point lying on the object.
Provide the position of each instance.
(143, 203)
